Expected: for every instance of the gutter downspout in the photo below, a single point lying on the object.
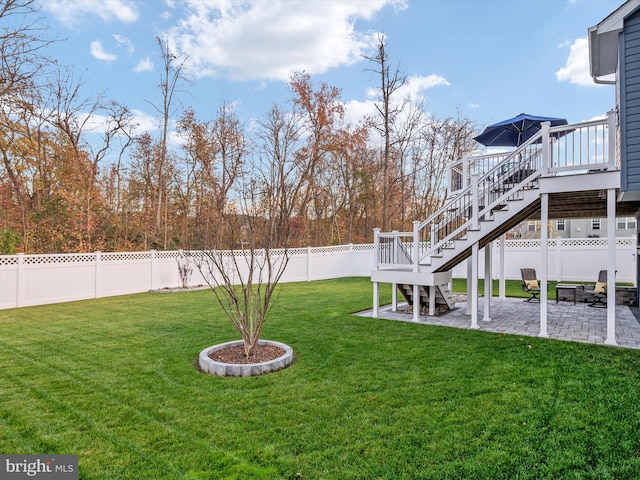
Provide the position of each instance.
(602, 82)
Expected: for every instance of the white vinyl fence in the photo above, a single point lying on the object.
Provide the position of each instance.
(27, 280)
(570, 259)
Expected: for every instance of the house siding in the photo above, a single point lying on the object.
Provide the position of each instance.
(630, 104)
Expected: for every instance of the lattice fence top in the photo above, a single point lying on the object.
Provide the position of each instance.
(536, 243)
(59, 259)
(172, 254)
(8, 260)
(124, 256)
(330, 249)
(89, 258)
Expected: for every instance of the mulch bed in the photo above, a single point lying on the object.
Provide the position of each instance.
(235, 354)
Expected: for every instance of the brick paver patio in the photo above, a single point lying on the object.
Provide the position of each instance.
(566, 321)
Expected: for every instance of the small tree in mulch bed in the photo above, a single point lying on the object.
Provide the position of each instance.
(184, 267)
(249, 250)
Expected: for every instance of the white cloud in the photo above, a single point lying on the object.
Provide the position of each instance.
(416, 85)
(144, 65)
(271, 40)
(145, 122)
(123, 41)
(355, 111)
(414, 88)
(98, 51)
(72, 12)
(576, 69)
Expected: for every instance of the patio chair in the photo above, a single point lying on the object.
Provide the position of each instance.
(600, 291)
(530, 283)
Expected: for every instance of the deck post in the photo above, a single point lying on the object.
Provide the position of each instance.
(503, 283)
(376, 247)
(376, 256)
(416, 246)
(376, 300)
(416, 303)
(432, 300)
(546, 148)
(474, 286)
(488, 283)
(475, 194)
(611, 267)
(469, 280)
(465, 171)
(611, 123)
(394, 297)
(544, 240)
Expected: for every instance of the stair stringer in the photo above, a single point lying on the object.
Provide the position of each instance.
(502, 221)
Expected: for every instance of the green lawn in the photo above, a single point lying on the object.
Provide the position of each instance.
(114, 381)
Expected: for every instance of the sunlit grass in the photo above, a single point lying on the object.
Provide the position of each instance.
(114, 381)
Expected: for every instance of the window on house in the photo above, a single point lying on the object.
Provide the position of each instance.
(533, 225)
(561, 225)
(626, 223)
(595, 224)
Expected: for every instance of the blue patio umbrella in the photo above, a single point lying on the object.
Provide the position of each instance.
(515, 131)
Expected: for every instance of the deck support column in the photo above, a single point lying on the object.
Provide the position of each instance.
(488, 283)
(376, 299)
(544, 239)
(376, 287)
(432, 300)
(469, 282)
(394, 297)
(503, 283)
(416, 303)
(611, 267)
(472, 296)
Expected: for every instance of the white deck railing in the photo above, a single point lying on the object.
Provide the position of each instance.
(479, 184)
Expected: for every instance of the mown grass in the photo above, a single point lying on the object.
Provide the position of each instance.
(114, 381)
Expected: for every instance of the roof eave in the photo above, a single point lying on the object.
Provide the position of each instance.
(603, 41)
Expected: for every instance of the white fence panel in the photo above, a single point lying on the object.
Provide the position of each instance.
(124, 273)
(8, 281)
(42, 279)
(573, 259)
(361, 260)
(329, 262)
(47, 279)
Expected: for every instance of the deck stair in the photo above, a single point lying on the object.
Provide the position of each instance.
(488, 196)
(443, 299)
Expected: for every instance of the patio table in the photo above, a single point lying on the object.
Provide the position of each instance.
(567, 287)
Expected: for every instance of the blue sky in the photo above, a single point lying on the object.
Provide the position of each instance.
(485, 59)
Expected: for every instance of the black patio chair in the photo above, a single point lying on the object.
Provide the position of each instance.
(530, 283)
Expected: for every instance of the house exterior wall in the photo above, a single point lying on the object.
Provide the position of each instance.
(576, 228)
(630, 103)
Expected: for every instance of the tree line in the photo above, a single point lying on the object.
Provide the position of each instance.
(69, 183)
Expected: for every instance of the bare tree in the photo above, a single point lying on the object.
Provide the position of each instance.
(22, 43)
(391, 80)
(258, 225)
(173, 72)
(76, 116)
(23, 67)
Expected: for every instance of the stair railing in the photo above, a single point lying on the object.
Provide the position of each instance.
(505, 181)
(490, 181)
(451, 221)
